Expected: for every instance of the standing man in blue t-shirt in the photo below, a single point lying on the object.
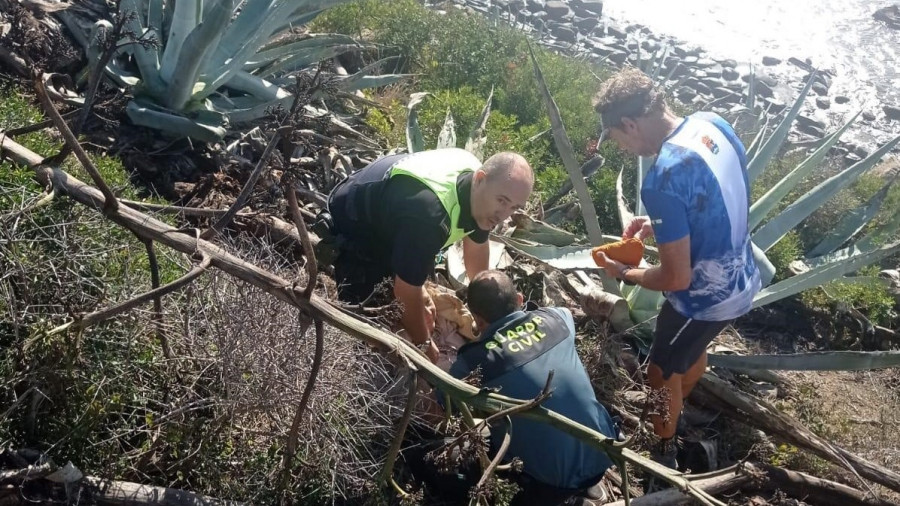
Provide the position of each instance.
(697, 197)
(516, 352)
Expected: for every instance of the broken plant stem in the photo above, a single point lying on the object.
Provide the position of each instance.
(105, 314)
(226, 218)
(387, 474)
(481, 486)
(291, 447)
(110, 203)
(157, 300)
(312, 267)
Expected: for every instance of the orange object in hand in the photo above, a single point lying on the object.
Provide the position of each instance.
(628, 251)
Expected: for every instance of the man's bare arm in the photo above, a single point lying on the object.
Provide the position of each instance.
(418, 314)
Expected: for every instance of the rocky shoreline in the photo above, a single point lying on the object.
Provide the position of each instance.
(693, 77)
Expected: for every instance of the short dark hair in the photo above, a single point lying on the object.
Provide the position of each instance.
(629, 93)
(492, 295)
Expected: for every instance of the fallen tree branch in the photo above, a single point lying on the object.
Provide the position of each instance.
(291, 447)
(387, 473)
(312, 267)
(318, 308)
(105, 314)
(157, 300)
(811, 489)
(716, 482)
(110, 203)
(123, 493)
(759, 414)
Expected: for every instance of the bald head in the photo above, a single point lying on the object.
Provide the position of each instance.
(508, 165)
(492, 295)
(501, 187)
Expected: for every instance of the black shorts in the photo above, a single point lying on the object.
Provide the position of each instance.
(357, 271)
(678, 342)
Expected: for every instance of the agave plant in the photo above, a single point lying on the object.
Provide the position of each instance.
(447, 136)
(220, 61)
(835, 256)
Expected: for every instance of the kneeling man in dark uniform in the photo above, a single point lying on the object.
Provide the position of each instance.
(515, 353)
(394, 216)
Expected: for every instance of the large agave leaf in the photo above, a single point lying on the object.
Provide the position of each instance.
(774, 230)
(880, 234)
(773, 144)
(447, 137)
(567, 153)
(766, 269)
(536, 231)
(203, 126)
(625, 214)
(643, 167)
(751, 89)
(814, 361)
(760, 137)
(242, 30)
(198, 43)
(852, 222)
(644, 305)
(559, 257)
(414, 140)
(147, 57)
(840, 263)
(478, 137)
(364, 78)
(260, 88)
(313, 42)
(304, 58)
(764, 205)
(184, 20)
(155, 16)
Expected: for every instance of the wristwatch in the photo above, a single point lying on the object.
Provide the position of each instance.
(424, 344)
(624, 271)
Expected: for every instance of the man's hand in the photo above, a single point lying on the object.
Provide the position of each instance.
(419, 313)
(430, 311)
(612, 267)
(639, 228)
(432, 352)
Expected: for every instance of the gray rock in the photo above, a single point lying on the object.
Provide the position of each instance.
(770, 61)
(593, 6)
(820, 89)
(841, 99)
(563, 32)
(615, 31)
(766, 79)
(812, 122)
(715, 70)
(851, 159)
(774, 105)
(823, 103)
(618, 57)
(892, 112)
(536, 5)
(811, 130)
(730, 74)
(690, 60)
(706, 63)
(889, 15)
(805, 65)
(557, 10)
(868, 116)
(650, 46)
(730, 64)
(697, 85)
(764, 90)
(685, 94)
(722, 92)
(586, 25)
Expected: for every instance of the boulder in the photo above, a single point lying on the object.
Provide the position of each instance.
(685, 94)
(730, 74)
(868, 116)
(714, 70)
(585, 25)
(563, 32)
(536, 5)
(811, 122)
(889, 15)
(730, 64)
(593, 6)
(819, 89)
(615, 31)
(770, 61)
(774, 105)
(558, 11)
(892, 112)
(841, 99)
(823, 103)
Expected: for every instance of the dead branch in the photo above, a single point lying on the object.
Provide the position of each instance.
(226, 218)
(291, 447)
(318, 308)
(811, 489)
(110, 203)
(157, 300)
(105, 314)
(759, 414)
(481, 487)
(387, 473)
(714, 483)
(123, 493)
(312, 267)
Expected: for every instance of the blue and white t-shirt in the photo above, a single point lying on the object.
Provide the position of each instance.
(698, 187)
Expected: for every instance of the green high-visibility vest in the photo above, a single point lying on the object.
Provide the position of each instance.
(438, 170)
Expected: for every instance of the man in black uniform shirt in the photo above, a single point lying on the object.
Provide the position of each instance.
(393, 217)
